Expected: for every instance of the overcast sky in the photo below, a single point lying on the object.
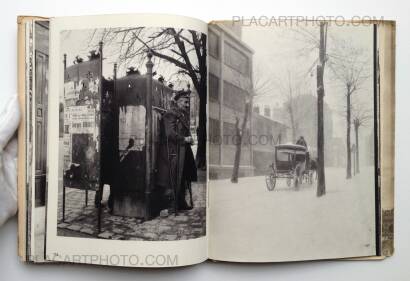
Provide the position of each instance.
(281, 52)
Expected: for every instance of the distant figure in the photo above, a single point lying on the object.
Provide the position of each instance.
(301, 141)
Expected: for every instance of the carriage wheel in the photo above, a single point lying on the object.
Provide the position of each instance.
(270, 181)
(289, 181)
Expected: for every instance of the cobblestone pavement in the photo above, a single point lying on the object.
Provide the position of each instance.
(81, 220)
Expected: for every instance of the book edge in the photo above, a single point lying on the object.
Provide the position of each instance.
(21, 151)
(21, 190)
(387, 139)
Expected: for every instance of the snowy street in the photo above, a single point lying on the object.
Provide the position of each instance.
(250, 223)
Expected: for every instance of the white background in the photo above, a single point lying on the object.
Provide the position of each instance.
(394, 268)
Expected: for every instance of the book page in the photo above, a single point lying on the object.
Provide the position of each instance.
(22, 151)
(38, 124)
(293, 141)
(33, 73)
(126, 141)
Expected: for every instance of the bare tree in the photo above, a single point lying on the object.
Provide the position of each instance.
(261, 86)
(362, 116)
(320, 72)
(350, 67)
(313, 42)
(291, 87)
(291, 91)
(239, 130)
(294, 84)
(185, 49)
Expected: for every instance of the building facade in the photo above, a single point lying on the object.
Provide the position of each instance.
(230, 83)
(230, 88)
(266, 134)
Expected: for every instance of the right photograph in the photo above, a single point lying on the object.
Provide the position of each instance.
(292, 140)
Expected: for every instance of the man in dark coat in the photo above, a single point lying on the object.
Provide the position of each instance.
(301, 141)
(176, 167)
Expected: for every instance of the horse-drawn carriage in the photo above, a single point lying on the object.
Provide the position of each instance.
(293, 163)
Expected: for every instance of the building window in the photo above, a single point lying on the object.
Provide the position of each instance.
(256, 109)
(230, 137)
(234, 97)
(214, 131)
(213, 88)
(229, 133)
(236, 59)
(213, 44)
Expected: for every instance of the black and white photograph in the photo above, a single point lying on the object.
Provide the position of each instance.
(37, 109)
(132, 134)
(292, 141)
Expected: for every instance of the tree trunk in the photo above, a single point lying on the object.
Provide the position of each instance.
(354, 159)
(321, 183)
(356, 130)
(290, 109)
(238, 144)
(202, 92)
(292, 120)
(348, 145)
(239, 136)
(201, 151)
(321, 187)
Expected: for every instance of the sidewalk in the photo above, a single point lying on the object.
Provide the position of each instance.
(81, 221)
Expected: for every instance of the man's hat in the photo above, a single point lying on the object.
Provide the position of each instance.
(181, 94)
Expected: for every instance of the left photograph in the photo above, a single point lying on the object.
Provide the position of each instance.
(37, 110)
(132, 134)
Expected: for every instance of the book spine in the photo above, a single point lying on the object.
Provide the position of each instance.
(386, 44)
(23, 185)
(21, 173)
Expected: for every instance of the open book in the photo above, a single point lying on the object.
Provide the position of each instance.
(157, 140)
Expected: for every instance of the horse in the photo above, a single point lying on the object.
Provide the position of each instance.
(300, 169)
(313, 166)
(305, 169)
